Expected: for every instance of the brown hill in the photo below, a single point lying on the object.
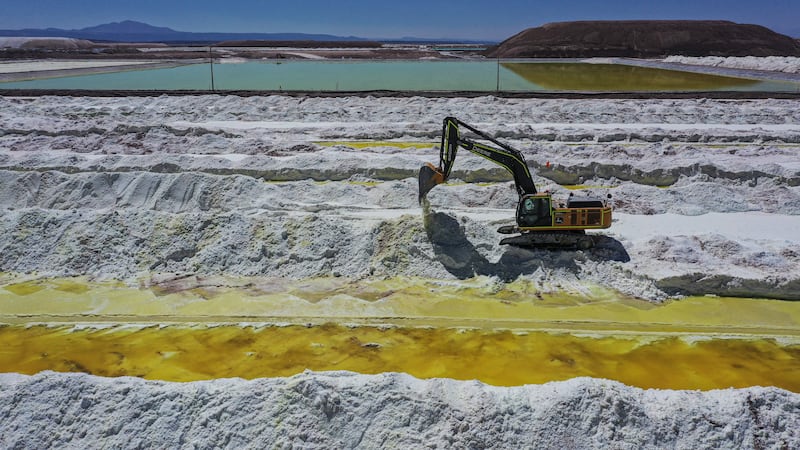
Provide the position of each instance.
(645, 39)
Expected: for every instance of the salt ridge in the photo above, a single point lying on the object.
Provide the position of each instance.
(347, 410)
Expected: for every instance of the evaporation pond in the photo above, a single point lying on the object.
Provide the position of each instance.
(198, 352)
(403, 75)
(192, 328)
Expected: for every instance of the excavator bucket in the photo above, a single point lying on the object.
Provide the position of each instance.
(429, 177)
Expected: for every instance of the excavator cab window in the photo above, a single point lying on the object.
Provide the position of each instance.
(534, 212)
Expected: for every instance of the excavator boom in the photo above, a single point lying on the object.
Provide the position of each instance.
(504, 155)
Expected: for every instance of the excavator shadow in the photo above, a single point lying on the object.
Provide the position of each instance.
(460, 257)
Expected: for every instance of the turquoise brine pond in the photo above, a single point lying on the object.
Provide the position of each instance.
(480, 76)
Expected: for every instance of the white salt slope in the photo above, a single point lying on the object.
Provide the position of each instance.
(44, 42)
(117, 187)
(788, 64)
(347, 410)
(35, 66)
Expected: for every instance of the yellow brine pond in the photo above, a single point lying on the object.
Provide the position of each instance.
(194, 328)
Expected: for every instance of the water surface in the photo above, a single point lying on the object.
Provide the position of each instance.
(197, 328)
(459, 75)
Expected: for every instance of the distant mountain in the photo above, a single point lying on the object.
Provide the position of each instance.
(132, 31)
(128, 27)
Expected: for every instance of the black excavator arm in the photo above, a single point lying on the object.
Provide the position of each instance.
(503, 155)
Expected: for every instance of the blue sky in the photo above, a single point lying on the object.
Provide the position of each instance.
(471, 19)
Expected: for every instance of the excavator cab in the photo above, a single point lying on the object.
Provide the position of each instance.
(535, 211)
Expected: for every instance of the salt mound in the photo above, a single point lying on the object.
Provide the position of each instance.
(225, 185)
(347, 410)
(786, 64)
(44, 42)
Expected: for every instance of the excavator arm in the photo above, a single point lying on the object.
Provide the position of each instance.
(503, 155)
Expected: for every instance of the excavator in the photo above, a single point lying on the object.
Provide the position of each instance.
(540, 222)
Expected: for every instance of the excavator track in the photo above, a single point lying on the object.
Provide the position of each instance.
(551, 239)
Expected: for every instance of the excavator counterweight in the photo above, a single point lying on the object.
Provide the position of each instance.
(540, 222)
